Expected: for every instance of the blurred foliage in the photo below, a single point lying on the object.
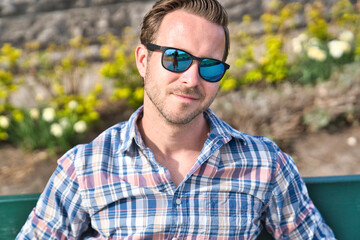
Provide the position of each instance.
(45, 129)
(271, 65)
(9, 63)
(120, 67)
(328, 42)
(317, 119)
(56, 76)
(66, 105)
(326, 45)
(316, 21)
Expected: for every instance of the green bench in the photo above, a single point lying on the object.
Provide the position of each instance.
(14, 211)
(337, 198)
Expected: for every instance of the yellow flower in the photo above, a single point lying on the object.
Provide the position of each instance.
(4, 122)
(246, 19)
(18, 116)
(139, 94)
(73, 104)
(80, 127)
(346, 36)
(48, 114)
(66, 62)
(5, 77)
(298, 43)
(253, 76)
(3, 136)
(34, 113)
(56, 130)
(98, 88)
(228, 84)
(316, 53)
(105, 51)
(77, 41)
(93, 116)
(10, 52)
(122, 92)
(338, 48)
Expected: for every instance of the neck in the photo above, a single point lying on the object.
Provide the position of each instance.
(168, 139)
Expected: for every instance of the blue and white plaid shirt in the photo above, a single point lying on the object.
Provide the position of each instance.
(113, 188)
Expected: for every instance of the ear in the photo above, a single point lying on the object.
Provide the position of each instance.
(141, 53)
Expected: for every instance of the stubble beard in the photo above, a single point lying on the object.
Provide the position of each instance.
(185, 115)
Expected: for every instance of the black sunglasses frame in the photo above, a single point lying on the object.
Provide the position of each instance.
(154, 47)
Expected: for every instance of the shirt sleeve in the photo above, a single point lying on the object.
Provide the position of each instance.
(290, 213)
(58, 213)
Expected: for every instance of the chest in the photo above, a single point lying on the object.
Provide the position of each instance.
(200, 214)
(178, 166)
(221, 198)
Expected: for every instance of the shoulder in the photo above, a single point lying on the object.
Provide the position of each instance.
(91, 157)
(103, 146)
(109, 143)
(246, 142)
(260, 143)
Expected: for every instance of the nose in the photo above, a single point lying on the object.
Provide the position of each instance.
(191, 77)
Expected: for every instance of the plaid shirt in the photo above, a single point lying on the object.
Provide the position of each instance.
(113, 188)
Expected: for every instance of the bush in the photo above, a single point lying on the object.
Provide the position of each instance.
(44, 129)
(62, 110)
(120, 67)
(327, 43)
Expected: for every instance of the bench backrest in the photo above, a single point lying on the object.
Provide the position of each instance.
(337, 198)
(14, 211)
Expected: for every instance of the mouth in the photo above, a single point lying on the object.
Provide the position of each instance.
(186, 98)
(187, 95)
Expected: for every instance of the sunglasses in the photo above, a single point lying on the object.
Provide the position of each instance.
(177, 60)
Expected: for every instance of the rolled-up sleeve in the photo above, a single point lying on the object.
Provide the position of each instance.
(58, 213)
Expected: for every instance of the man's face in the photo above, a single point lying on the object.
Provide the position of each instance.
(181, 97)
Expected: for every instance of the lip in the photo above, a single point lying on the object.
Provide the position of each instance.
(186, 98)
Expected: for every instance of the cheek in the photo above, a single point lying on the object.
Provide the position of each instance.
(161, 76)
(155, 68)
(211, 88)
(157, 78)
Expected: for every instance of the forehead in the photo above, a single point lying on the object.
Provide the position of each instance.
(192, 33)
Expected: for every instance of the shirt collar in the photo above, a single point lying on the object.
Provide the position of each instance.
(218, 129)
(130, 132)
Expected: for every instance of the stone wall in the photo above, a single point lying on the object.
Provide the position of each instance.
(59, 20)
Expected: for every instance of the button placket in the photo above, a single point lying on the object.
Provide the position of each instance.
(176, 203)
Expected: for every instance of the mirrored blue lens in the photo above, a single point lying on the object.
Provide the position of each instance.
(176, 60)
(211, 70)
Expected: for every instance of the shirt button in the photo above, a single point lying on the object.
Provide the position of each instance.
(178, 202)
(161, 171)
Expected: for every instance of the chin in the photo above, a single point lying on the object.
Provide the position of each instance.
(180, 118)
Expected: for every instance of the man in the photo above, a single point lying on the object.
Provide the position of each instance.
(175, 170)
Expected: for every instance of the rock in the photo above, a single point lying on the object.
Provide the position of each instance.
(31, 20)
